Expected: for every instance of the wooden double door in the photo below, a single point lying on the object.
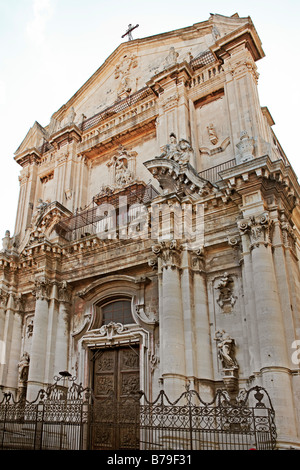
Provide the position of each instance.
(116, 383)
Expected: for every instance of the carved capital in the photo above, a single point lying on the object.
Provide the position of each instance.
(169, 253)
(42, 289)
(198, 259)
(289, 238)
(19, 302)
(3, 298)
(258, 229)
(64, 292)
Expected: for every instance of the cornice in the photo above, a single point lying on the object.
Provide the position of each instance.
(245, 34)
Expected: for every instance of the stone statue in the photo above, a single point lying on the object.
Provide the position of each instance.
(180, 152)
(40, 208)
(170, 149)
(226, 350)
(6, 241)
(24, 367)
(72, 115)
(171, 58)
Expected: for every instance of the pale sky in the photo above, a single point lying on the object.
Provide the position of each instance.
(49, 48)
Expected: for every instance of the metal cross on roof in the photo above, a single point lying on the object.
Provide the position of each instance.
(129, 31)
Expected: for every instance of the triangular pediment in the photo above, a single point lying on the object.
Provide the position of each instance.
(134, 63)
(34, 139)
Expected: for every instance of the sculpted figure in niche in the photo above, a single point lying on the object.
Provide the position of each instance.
(226, 350)
(24, 367)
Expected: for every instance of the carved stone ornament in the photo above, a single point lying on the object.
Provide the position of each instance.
(169, 253)
(212, 134)
(122, 166)
(64, 292)
(111, 329)
(198, 259)
(245, 147)
(289, 237)
(3, 298)
(42, 289)
(226, 299)
(171, 58)
(122, 73)
(258, 228)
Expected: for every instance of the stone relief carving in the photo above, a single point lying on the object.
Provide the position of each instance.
(180, 152)
(289, 237)
(214, 151)
(226, 299)
(122, 73)
(171, 58)
(122, 165)
(245, 147)
(212, 134)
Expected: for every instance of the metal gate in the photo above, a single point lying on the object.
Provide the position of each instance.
(63, 418)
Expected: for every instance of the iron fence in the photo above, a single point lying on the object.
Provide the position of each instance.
(63, 418)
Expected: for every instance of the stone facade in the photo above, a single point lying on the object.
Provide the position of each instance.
(168, 129)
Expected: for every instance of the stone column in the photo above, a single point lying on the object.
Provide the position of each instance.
(249, 303)
(36, 377)
(173, 367)
(271, 333)
(203, 342)
(3, 302)
(62, 334)
(188, 317)
(15, 340)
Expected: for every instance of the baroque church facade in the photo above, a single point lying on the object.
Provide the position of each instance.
(157, 232)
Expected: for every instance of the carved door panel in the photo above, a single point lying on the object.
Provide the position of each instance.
(116, 379)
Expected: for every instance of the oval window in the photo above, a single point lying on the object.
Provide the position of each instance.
(118, 311)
